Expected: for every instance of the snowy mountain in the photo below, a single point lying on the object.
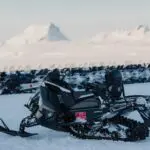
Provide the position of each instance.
(38, 33)
(54, 34)
(141, 32)
(37, 41)
(143, 28)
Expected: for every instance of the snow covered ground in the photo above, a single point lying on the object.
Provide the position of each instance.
(12, 109)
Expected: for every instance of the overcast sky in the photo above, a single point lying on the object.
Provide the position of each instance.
(76, 18)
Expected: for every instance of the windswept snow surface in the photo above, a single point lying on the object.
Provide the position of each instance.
(43, 46)
(11, 108)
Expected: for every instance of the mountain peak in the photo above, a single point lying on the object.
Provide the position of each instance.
(37, 33)
(53, 26)
(144, 28)
(54, 33)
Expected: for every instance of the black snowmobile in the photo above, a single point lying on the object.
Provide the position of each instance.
(100, 113)
(11, 85)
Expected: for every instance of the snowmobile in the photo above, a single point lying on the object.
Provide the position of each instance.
(90, 115)
(11, 86)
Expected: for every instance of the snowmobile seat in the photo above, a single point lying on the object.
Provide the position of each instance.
(70, 100)
(87, 103)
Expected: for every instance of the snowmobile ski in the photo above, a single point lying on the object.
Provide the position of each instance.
(6, 130)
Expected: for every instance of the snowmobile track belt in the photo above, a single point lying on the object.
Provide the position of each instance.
(139, 131)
